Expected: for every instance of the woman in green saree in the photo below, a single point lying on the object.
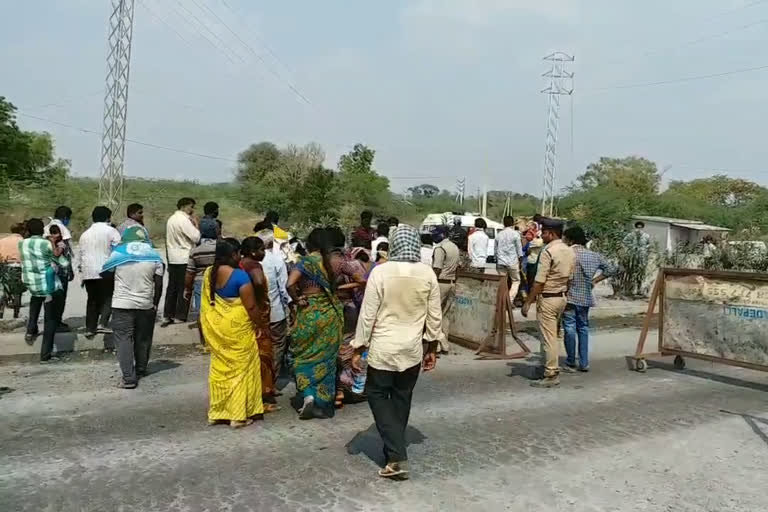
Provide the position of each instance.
(317, 333)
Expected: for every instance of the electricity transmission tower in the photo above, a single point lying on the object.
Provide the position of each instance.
(460, 184)
(116, 103)
(560, 84)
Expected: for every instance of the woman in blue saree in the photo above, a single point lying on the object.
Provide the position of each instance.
(317, 333)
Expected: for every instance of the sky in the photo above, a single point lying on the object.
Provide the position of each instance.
(441, 89)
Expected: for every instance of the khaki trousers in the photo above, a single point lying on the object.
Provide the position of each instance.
(548, 313)
(446, 302)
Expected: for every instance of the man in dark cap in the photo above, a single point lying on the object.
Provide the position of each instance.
(459, 235)
(555, 266)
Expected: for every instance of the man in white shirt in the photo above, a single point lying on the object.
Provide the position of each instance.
(382, 234)
(276, 273)
(509, 251)
(94, 247)
(181, 235)
(399, 325)
(477, 246)
(61, 218)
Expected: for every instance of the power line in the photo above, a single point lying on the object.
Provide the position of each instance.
(681, 80)
(706, 38)
(736, 9)
(161, 20)
(132, 141)
(224, 52)
(256, 54)
(260, 40)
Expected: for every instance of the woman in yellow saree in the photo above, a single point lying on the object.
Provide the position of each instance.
(227, 316)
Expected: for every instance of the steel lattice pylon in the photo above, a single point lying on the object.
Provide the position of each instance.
(558, 86)
(116, 103)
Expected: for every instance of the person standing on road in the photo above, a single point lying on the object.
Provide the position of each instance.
(39, 257)
(427, 248)
(399, 326)
(549, 294)
(276, 273)
(181, 235)
(318, 330)
(95, 246)
(590, 268)
(445, 262)
(135, 217)
(200, 258)
(137, 271)
(11, 285)
(509, 251)
(477, 245)
(61, 218)
(458, 234)
(382, 237)
(228, 315)
(532, 251)
(362, 236)
(252, 254)
(636, 249)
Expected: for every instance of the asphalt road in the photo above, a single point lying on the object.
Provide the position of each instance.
(482, 439)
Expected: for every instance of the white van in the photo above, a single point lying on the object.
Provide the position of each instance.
(433, 220)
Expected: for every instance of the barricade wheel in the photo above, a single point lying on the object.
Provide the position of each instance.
(641, 365)
(679, 363)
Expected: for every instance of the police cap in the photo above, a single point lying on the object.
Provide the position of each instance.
(549, 223)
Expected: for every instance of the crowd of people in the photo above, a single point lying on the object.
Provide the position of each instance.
(349, 319)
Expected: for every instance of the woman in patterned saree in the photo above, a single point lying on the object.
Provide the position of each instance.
(227, 316)
(317, 334)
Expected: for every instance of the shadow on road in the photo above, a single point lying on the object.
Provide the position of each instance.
(5, 390)
(527, 371)
(369, 442)
(752, 421)
(161, 365)
(733, 381)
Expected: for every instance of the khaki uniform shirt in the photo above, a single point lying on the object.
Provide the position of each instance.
(446, 258)
(555, 267)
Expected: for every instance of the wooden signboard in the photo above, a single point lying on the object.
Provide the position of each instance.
(712, 315)
(479, 316)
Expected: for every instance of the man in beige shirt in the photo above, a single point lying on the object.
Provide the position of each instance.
(181, 235)
(445, 262)
(400, 312)
(549, 293)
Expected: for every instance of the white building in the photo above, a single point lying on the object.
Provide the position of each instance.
(668, 233)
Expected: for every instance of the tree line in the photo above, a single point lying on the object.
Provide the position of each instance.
(295, 181)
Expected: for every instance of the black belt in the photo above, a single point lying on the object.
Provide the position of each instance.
(551, 295)
(446, 281)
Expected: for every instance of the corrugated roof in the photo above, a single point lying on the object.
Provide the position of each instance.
(669, 220)
(698, 226)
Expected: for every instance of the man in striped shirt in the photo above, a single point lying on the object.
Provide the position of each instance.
(40, 261)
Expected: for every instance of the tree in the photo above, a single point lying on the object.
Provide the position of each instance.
(26, 158)
(424, 190)
(632, 174)
(357, 161)
(720, 190)
(360, 184)
(258, 161)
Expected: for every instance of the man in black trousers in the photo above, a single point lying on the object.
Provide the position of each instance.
(402, 299)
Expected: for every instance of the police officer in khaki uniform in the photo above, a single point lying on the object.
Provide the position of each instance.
(556, 263)
(445, 262)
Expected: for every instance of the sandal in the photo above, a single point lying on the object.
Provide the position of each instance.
(240, 424)
(269, 408)
(395, 471)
